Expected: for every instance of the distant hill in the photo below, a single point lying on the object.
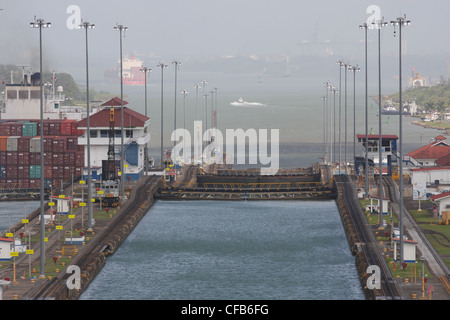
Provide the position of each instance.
(75, 94)
(435, 98)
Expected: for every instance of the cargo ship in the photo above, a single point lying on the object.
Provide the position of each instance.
(20, 156)
(132, 74)
(20, 142)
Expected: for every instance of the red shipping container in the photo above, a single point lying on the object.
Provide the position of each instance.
(58, 159)
(35, 158)
(5, 129)
(58, 172)
(58, 144)
(23, 144)
(23, 172)
(11, 158)
(68, 171)
(72, 144)
(15, 128)
(2, 157)
(11, 172)
(48, 158)
(11, 184)
(23, 183)
(23, 158)
(79, 159)
(48, 144)
(35, 183)
(77, 171)
(2, 184)
(48, 172)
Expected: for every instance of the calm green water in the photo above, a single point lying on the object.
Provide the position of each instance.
(232, 250)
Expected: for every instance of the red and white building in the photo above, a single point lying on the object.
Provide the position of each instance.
(137, 136)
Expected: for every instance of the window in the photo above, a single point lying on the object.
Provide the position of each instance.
(129, 133)
(93, 133)
(104, 133)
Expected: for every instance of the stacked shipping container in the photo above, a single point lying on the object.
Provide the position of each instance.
(20, 153)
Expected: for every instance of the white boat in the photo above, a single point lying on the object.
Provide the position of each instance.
(242, 103)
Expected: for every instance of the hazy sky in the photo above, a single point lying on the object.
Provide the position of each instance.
(173, 29)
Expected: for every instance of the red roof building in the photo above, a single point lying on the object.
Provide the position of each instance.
(429, 154)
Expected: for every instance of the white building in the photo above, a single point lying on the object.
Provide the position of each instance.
(434, 178)
(137, 136)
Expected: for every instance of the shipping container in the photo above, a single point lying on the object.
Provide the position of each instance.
(3, 143)
(23, 183)
(15, 129)
(59, 144)
(3, 157)
(23, 158)
(35, 158)
(12, 143)
(23, 144)
(35, 171)
(11, 172)
(5, 129)
(29, 129)
(72, 144)
(11, 158)
(35, 144)
(23, 172)
(2, 171)
(48, 172)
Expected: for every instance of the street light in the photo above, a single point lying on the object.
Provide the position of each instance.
(345, 66)
(378, 25)
(341, 65)
(86, 25)
(366, 182)
(196, 86)
(185, 93)
(121, 30)
(215, 109)
(334, 89)
(146, 71)
(162, 66)
(354, 69)
(40, 23)
(401, 21)
(177, 65)
(324, 99)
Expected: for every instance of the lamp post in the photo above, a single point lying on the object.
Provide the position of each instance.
(324, 99)
(162, 66)
(184, 92)
(400, 22)
(196, 86)
(121, 30)
(341, 64)
(146, 71)
(215, 109)
(354, 69)
(334, 89)
(365, 27)
(176, 65)
(378, 25)
(86, 25)
(345, 66)
(40, 23)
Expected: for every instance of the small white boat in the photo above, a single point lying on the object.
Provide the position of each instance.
(242, 103)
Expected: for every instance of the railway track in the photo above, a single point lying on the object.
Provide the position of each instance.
(390, 289)
(98, 244)
(434, 261)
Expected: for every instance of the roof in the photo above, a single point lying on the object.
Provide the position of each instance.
(101, 119)
(6, 239)
(443, 161)
(114, 102)
(405, 241)
(440, 196)
(376, 136)
(431, 168)
(434, 150)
